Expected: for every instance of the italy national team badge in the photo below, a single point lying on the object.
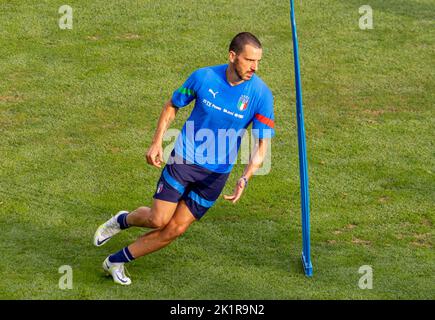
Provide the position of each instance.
(243, 103)
(160, 187)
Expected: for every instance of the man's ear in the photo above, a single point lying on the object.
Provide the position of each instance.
(232, 56)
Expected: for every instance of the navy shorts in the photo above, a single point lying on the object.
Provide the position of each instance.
(197, 186)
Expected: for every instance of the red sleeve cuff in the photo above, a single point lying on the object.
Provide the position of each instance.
(265, 120)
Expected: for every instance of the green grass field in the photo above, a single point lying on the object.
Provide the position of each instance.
(78, 109)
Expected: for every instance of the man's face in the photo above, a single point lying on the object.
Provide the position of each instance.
(246, 62)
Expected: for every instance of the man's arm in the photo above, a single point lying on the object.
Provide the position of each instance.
(154, 154)
(254, 164)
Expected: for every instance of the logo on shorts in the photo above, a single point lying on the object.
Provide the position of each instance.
(243, 103)
(159, 187)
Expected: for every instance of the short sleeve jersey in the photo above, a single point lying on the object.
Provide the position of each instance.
(212, 134)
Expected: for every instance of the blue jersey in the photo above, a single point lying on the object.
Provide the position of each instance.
(212, 134)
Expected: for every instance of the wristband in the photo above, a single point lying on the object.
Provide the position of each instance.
(246, 181)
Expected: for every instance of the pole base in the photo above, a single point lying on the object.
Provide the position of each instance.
(308, 267)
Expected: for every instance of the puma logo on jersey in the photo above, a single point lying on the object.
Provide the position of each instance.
(213, 93)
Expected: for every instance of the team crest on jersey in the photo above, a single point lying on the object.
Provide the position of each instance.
(243, 103)
(160, 187)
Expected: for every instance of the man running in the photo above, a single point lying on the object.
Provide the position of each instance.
(227, 98)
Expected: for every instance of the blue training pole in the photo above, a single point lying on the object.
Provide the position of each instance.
(303, 168)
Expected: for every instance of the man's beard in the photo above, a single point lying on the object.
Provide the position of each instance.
(237, 71)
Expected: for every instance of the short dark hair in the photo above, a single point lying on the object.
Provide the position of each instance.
(242, 39)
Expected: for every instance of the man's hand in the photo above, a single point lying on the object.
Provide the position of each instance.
(155, 155)
(238, 190)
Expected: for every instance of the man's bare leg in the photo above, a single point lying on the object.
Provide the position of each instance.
(157, 239)
(150, 242)
(157, 216)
